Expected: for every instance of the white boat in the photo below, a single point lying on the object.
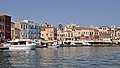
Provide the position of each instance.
(85, 43)
(54, 45)
(22, 44)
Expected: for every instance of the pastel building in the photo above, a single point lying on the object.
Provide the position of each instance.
(86, 33)
(69, 35)
(12, 30)
(60, 32)
(28, 29)
(106, 33)
(48, 32)
(15, 31)
(67, 32)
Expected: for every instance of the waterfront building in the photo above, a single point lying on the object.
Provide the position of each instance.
(60, 32)
(118, 33)
(104, 29)
(48, 32)
(28, 29)
(105, 33)
(12, 30)
(67, 32)
(69, 35)
(15, 31)
(105, 36)
(5, 26)
(86, 33)
(114, 32)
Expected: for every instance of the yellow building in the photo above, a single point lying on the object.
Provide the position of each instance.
(48, 32)
(12, 30)
(67, 32)
(15, 30)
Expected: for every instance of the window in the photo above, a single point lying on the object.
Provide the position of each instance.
(21, 26)
(14, 43)
(82, 33)
(0, 19)
(68, 34)
(30, 42)
(22, 42)
(71, 34)
(26, 26)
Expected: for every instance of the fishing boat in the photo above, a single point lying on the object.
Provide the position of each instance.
(19, 44)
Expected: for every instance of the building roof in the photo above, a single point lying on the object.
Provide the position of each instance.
(4, 15)
(85, 28)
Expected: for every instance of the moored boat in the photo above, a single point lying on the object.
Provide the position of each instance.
(22, 44)
(53, 46)
(86, 43)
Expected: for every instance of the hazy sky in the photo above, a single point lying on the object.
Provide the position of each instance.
(82, 12)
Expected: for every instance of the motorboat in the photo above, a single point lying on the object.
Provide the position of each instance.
(22, 44)
(54, 45)
(86, 44)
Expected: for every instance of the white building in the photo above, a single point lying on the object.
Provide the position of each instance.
(28, 29)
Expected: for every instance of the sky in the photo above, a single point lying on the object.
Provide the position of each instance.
(55, 12)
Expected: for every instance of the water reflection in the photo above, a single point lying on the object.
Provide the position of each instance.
(4, 61)
(17, 59)
(67, 57)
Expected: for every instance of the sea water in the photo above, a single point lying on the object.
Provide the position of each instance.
(66, 57)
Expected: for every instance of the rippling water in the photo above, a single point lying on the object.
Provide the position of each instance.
(66, 57)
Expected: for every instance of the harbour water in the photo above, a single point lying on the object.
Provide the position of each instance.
(66, 57)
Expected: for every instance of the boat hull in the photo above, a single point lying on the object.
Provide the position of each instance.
(22, 47)
(54, 46)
